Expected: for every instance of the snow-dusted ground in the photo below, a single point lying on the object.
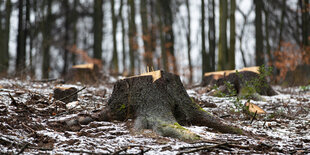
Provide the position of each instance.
(24, 126)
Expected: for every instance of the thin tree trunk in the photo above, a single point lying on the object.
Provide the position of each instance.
(162, 38)
(268, 48)
(98, 24)
(114, 28)
(282, 23)
(232, 35)
(189, 44)
(259, 53)
(21, 53)
(5, 34)
(75, 31)
(211, 33)
(133, 45)
(205, 62)
(123, 40)
(148, 55)
(223, 37)
(47, 40)
(305, 22)
(66, 38)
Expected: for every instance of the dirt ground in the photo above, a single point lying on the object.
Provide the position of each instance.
(27, 123)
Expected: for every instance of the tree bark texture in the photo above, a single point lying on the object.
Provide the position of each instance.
(231, 58)
(5, 34)
(259, 53)
(162, 105)
(222, 54)
(114, 28)
(133, 45)
(98, 24)
(21, 45)
(205, 58)
(47, 39)
(212, 43)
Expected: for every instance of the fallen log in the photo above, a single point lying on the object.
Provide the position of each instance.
(158, 101)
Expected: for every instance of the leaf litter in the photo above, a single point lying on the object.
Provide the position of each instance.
(27, 124)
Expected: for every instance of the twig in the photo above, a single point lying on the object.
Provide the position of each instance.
(41, 148)
(71, 94)
(23, 148)
(253, 117)
(28, 127)
(13, 100)
(224, 116)
(204, 147)
(81, 151)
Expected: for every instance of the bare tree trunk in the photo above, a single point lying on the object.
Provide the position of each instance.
(205, 61)
(75, 32)
(47, 40)
(133, 45)
(211, 33)
(222, 55)
(259, 53)
(114, 66)
(123, 40)
(305, 22)
(4, 43)
(231, 57)
(98, 24)
(66, 38)
(21, 50)
(146, 37)
(282, 23)
(189, 44)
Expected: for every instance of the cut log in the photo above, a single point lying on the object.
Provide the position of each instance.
(245, 77)
(84, 73)
(158, 101)
(61, 92)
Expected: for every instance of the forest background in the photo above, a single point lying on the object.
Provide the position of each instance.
(43, 39)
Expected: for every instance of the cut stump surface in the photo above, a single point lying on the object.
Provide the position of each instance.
(158, 101)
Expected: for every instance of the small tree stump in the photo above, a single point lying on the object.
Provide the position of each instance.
(61, 92)
(158, 101)
(245, 77)
(85, 73)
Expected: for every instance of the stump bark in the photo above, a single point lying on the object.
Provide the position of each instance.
(246, 77)
(84, 73)
(158, 101)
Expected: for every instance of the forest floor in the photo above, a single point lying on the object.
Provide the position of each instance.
(25, 124)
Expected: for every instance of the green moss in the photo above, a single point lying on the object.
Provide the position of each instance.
(123, 106)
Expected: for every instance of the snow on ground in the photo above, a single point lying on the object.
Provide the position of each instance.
(284, 129)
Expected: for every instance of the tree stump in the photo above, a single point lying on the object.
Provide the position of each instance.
(158, 101)
(246, 77)
(84, 73)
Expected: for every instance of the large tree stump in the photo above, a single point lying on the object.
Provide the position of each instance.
(246, 77)
(158, 101)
